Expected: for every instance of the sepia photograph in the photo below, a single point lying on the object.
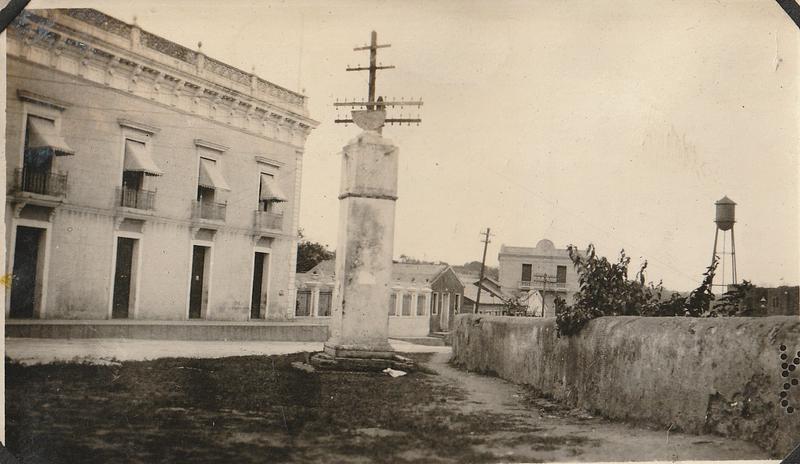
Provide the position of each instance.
(400, 231)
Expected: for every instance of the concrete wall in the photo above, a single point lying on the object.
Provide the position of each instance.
(719, 375)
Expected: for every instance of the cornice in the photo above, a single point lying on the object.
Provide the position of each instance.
(31, 97)
(134, 70)
(269, 162)
(211, 145)
(138, 126)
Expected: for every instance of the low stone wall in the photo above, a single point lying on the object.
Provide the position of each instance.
(720, 375)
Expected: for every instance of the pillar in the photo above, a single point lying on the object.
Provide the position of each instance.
(368, 191)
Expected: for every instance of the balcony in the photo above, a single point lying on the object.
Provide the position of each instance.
(265, 220)
(209, 210)
(49, 184)
(538, 285)
(136, 199)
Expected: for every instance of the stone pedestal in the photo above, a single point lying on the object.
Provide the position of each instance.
(360, 315)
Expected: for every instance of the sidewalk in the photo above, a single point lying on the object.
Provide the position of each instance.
(29, 351)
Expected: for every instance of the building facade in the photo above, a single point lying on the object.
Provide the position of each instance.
(543, 268)
(774, 301)
(145, 180)
(424, 298)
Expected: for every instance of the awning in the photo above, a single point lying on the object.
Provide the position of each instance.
(270, 190)
(137, 158)
(42, 135)
(210, 177)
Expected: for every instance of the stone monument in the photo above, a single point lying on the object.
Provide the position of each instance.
(368, 191)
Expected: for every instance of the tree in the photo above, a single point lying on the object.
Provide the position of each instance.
(309, 254)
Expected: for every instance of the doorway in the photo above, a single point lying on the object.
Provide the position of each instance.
(445, 311)
(258, 299)
(124, 279)
(198, 292)
(27, 272)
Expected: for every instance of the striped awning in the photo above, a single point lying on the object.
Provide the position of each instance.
(137, 158)
(270, 190)
(210, 176)
(42, 135)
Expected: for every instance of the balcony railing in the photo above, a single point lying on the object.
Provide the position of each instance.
(537, 285)
(138, 199)
(209, 210)
(43, 183)
(265, 220)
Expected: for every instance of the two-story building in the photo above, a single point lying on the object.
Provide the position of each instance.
(543, 268)
(145, 179)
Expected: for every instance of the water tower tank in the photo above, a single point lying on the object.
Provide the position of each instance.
(725, 213)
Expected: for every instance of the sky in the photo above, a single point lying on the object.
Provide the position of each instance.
(617, 123)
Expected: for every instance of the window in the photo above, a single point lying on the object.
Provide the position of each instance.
(457, 307)
(324, 308)
(561, 274)
(136, 166)
(420, 304)
(269, 194)
(526, 272)
(393, 304)
(303, 307)
(435, 304)
(42, 142)
(406, 304)
(775, 302)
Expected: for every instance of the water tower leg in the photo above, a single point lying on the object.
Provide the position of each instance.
(733, 257)
(714, 252)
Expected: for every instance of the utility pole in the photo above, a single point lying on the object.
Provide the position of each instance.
(485, 241)
(372, 103)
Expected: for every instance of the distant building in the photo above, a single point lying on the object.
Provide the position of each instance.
(492, 298)
(779, 301)
(424, 299)
(543, 268)
(145, 179)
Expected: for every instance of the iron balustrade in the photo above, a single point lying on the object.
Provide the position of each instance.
(265, 220)
(209, 210)
(534, 285)
(52, 184)
(138, 199)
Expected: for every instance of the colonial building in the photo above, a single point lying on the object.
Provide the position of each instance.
(544, 268)
(424, 299)
(145, 179)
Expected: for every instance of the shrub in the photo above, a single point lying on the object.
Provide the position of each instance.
(606, 291)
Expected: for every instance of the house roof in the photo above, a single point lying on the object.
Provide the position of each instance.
(487, 296)
(422, 274)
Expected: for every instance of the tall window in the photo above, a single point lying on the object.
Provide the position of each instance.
(435, 304)
(526, 272)
(457, 304)
(269, 194)
(303, 305)
(561, 274)
(324, 308)
(42, 143)
(136, 166)
(406, 304)
(420, 304)
(393, 304)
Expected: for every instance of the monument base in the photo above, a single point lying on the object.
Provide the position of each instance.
(352, 358)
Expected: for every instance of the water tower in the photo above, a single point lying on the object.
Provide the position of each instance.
(725, 219)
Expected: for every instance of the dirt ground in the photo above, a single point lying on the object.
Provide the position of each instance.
(261, 409)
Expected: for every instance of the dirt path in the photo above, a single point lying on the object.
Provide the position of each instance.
(541, 430)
